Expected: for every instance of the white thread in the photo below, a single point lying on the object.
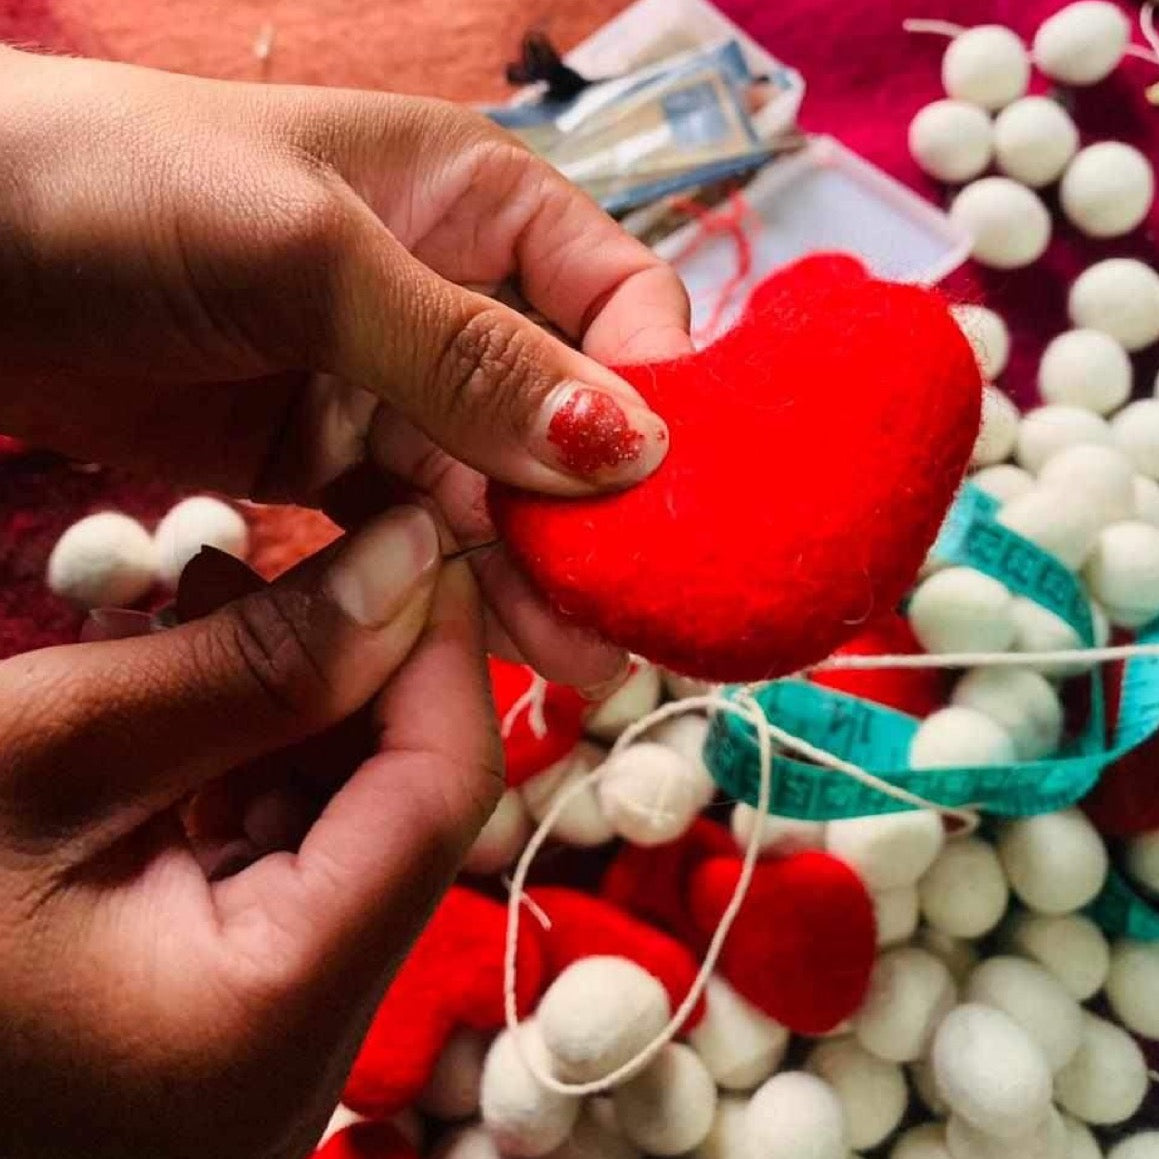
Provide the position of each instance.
(533, 700)
(747, 708)
(1147, 27)
(1137, 50)
(936, 27)
(536, 910)
(988, 659)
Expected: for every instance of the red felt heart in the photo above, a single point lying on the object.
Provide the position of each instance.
(535, 735)
(814, 451)
(453, 977)
(803, 944)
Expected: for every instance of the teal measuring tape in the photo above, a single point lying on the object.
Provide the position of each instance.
(878, 739)
(1121, 913)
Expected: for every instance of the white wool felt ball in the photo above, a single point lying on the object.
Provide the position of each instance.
(582, 821)
(1023, 702)
(1069, 946)
(1144, 1145)
(925, 1141)
(958, 954)
(682, 687)
(1064, 524)
(1034, 139)
(598, 1014)
(990, 1071)
(193, 524)
(686, 735)
(999, 430)
(925, 1086)
(779, 835)
(1107, 189)
(1142, 860)
(1136, 430)
(502, 839)
(636, 697)
(103, 561)
(1081, 1144)
(1009, 225)
(1133, 986)
(739, 1044)
(987, 66)
(1038, 630)
(959, 609)
(524, 1118)
(1103, 476)
(1003, 481)
(796, 1115)
(669, 1107)
(728, 1137)
(452, 1091)
(1119, 296)
(650, 794)
(1122, 572)
(1085, 368)
(1055, 862)
(1146, 507)
(1107, 1079)
(1044, 1139)
(1047, 430)
(873, 1092)
(952, 141)
(910, 992)
(1081, 43)
(596, 1135)
(988, 336)
(895, 913)
(889, 850)
(958, 736)
(1035, 999)
(964, 894)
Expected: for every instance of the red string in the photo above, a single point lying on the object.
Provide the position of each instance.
(728, 219)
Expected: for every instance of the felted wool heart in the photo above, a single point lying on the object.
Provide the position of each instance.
(814, 451)
(453, 977)
(803, 944)
(544, 729)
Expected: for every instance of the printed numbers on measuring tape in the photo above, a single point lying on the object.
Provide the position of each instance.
(878, 739)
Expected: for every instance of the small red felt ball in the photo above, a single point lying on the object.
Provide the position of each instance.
(814, 451)
(803, 944)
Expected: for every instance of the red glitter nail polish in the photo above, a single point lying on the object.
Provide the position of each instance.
(592, 433)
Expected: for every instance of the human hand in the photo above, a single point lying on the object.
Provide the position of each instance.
(267, 289)
(149, 1008)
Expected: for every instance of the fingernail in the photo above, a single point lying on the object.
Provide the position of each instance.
(599, 436)
(115, 624)
(381, 567)
(605, 688)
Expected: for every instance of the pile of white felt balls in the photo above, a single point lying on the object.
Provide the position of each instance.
(1105, 190)
(110, 560)
(974, 1042)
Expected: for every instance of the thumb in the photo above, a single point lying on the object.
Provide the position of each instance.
(99, 736)
(485, 383)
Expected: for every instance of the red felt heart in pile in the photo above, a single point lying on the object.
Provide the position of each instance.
(814, 451)
(453, 977)
(531, 745)
(918, 691)
(803, 944)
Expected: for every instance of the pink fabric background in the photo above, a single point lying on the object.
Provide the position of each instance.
(866, 78)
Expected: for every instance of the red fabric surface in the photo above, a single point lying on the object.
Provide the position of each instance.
(812, 463)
